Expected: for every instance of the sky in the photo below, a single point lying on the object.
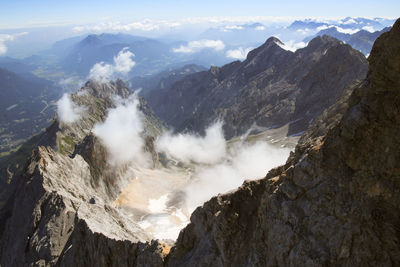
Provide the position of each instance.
(33, 13)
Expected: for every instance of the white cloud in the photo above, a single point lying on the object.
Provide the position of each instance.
(304, 31)
(241, 19)
(195, 46)
(156, 25)
(3, 48)
(260, 28)
(292, 45)
(7, 38)
(123, 63)
(243, 161)
(234, 27)
(348, 31)
(348, 21)
(67, 110)
(368, 28)
(144, 25)
(191, 148)
(324, 27)
(121, 132)
(101, 72)
(218, 168)
(342, 30)
(239, 53)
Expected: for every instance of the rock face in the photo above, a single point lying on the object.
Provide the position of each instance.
(58, 213)
(162, 80)
(271, 88)
(335, 201)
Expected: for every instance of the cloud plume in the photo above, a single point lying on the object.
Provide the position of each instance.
(4, 38)
(292, 45)
(239, 53)
(67, 110)
(243, 161)
(121, 131)
(193, 148)
(122, 64)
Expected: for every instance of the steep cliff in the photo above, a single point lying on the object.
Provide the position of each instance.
(60, 208)
(335, 201)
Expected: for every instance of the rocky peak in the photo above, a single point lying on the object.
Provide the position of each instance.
(271, 46)
(317, 47)
(214, 70)
(253, 91)
(69, 181)
(106, 90)
(91, 40)
(271, 41)
(319, 41)
(384, 59)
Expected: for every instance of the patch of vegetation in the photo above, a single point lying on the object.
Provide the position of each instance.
(12, 150)
(48, 73)
(66, 145)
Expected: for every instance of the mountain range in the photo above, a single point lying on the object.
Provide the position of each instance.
(345, 23)
(361, 40)
(271, 88)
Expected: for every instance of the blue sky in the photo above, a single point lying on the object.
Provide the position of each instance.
(22, 13)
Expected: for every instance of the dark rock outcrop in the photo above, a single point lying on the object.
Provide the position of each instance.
(162, 80)
(335, 201)
(271, 88)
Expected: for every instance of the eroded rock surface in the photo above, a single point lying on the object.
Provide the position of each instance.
(271, 88)
(335, 201)
(60, 211)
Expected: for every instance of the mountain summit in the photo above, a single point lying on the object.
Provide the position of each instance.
(334, 202)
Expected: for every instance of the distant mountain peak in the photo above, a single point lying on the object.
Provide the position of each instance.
(274, 40)
(91, 39)
(270, 44)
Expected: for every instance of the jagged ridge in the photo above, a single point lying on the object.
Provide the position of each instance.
(59, 207)
(272, 87)
(335, 201)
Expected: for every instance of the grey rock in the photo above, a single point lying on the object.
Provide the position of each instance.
(271, 88)
(335, 202)
(58, 214)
